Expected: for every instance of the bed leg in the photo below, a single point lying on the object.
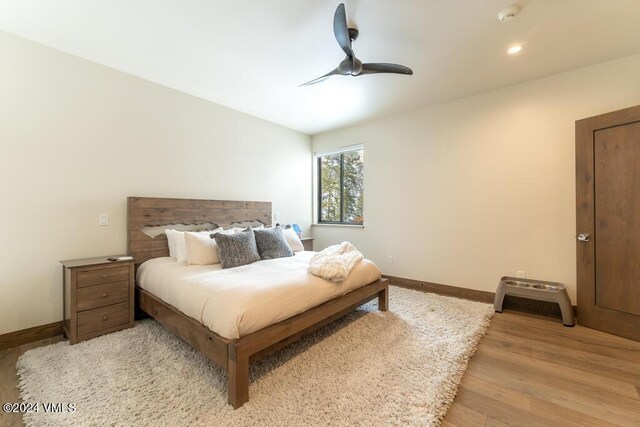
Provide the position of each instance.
(238, 373)
(383, 299)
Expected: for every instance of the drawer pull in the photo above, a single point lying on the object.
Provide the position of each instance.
(104, 295)
(105, 276)
(105, 317)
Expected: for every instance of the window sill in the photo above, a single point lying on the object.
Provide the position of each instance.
(339, 225)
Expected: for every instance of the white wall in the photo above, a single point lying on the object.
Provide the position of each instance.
(77, 138)
(465, 192)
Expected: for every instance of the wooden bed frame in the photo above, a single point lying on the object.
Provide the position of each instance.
(234, 356)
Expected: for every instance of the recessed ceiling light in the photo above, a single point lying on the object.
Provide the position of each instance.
(514, 49)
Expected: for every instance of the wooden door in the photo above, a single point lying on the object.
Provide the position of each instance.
(608, 222)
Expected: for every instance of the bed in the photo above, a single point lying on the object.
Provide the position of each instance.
(235, 316)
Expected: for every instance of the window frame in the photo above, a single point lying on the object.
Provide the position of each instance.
(318, 176)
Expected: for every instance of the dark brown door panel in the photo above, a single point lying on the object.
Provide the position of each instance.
(608, 211)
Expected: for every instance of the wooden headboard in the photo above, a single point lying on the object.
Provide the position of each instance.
(148, 217)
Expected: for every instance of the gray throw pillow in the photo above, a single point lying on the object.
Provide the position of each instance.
(272, 243)
(237, 249)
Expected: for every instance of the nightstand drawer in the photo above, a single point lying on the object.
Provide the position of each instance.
(101, 295)
(102, 275)
(95, 320)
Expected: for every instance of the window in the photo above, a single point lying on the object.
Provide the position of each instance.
(341, 187)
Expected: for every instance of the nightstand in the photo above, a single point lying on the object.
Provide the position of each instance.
(307, 243)
(98, 297)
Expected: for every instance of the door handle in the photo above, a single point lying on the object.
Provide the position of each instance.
(583, 237)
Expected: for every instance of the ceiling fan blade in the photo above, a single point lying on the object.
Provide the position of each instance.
(341, 31)
(321, 78)
(375, 68)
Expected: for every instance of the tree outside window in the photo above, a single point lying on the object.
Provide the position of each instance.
(341, 187)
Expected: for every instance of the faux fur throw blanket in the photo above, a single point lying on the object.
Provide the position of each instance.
(336, 262)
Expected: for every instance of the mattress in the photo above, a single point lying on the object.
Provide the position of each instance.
(237, 301)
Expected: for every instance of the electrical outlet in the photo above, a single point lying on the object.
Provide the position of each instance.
(389, 260)
(103, 219)
(521, 274)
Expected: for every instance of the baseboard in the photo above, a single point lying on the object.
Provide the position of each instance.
(525, 305)
(37, 333)
(436, 288)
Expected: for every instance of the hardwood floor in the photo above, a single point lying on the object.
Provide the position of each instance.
(532, 371)
(9, 381)
(528, 371)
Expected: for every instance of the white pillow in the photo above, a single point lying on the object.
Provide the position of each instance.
(170, 241)
(293, 240)
(201, 248)
(177, 248)
(177, 244)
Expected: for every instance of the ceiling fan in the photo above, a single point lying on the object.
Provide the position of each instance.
(352, 66)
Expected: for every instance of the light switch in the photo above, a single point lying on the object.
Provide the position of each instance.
(103, 219)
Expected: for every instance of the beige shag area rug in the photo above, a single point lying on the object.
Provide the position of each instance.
(401, 367)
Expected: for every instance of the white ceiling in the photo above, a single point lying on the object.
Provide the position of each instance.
(252, 55)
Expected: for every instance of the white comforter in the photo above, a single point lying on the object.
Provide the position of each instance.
(238, 301)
